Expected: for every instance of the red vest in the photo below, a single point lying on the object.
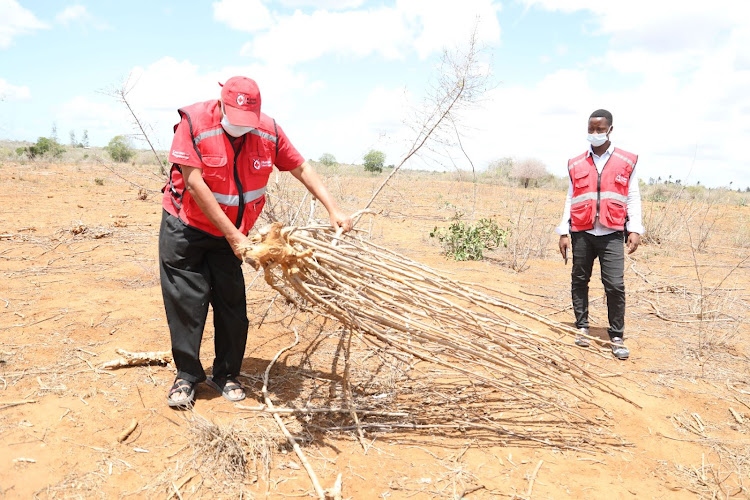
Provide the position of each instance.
(604, 195)
(237, 180)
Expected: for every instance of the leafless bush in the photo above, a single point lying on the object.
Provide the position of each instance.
(528, 171)
(529, 235)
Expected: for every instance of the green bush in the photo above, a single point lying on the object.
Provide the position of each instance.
(462, 241)
(119, 149)
(374, 161)
(44, 147)
(328, 160)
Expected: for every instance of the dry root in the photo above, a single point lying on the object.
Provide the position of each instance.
(139, 359)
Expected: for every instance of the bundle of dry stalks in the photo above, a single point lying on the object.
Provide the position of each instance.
(405, 306)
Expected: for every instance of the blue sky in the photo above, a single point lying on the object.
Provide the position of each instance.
(341, 76)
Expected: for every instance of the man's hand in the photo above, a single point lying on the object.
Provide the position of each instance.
(634, 239)
(340, 220)
(236, 240)
(565, 246)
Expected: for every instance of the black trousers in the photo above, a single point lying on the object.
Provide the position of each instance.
(197, 269)
(611, 253)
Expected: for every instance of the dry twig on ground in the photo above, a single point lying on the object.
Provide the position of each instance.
(139, 359)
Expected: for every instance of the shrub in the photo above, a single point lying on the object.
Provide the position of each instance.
(328, 160)
(528, 171)
(374, 161)
(44, 146)
(463, 241)
(119, 149)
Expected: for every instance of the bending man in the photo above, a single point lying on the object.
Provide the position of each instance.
(222, 154)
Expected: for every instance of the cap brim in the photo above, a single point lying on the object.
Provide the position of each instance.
(242, 118)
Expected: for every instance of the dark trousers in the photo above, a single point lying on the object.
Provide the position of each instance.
(611, 253)
(197, 269)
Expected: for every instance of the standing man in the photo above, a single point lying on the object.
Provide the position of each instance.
(222, 154)
(602, 206)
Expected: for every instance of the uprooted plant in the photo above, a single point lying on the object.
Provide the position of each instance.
(398, 303)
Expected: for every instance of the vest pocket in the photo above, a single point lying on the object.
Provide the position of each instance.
(615, 213)
(252, 212)
(581, 178)
(581, 214)
(214, 167)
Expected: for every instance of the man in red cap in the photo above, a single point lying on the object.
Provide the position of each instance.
(222, 154)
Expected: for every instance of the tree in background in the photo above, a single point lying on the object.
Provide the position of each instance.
(85, 139)
(45, 146)
(528, 171)
(53, 135)
(73, 143)
(374, 161)
(500, 169)
(328, 160)
(119, 149)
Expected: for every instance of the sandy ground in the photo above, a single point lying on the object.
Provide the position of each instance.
(80, 280)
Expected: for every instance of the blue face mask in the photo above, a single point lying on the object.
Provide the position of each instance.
(233, 130)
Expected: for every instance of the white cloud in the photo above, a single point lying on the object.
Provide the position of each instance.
(77, 14)
(443, 24)
(305, 37)
(392, 32)
(155, 98)
(323, 4)
(243, 15)
(15, 21)
(660, 26)
(10, 92)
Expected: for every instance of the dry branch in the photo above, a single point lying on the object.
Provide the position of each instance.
(401, 305)
(293, 442)
(128, 431)
(139, 359)
(10, 404)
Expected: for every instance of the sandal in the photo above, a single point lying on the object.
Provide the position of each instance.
(185, 387)
(225, 385)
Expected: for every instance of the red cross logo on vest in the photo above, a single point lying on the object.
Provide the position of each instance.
(256, 164)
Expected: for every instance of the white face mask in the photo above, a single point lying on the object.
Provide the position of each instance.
(233, 130)
(597, 140)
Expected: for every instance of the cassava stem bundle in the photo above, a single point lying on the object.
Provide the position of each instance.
(411, 308)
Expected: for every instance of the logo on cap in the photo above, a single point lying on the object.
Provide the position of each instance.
(240, 99)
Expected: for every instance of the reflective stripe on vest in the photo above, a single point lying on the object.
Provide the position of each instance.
(605, 195)
(570, 167)
(264, 135)
(624, 158)
(208, 133)
(233, 200)
(217, 131)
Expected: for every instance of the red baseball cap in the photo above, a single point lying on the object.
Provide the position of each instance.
(241, 98)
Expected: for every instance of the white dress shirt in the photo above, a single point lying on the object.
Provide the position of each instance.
(634, 224)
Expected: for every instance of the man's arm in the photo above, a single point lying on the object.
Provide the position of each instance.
(635, 224)
(205, 200)
(564, 227)
(307, 175)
